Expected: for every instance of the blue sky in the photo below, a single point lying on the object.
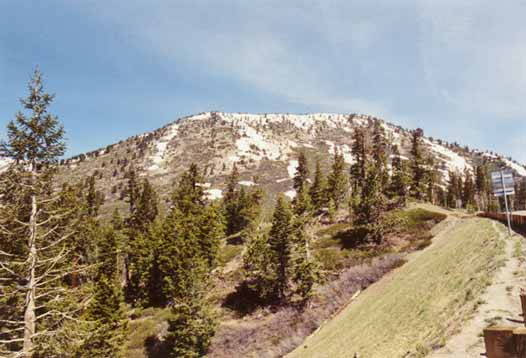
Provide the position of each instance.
(456, 68)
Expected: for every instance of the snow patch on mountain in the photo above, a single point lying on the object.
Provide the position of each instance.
(4, 164)
(158, 158)
(453, 161)
(343, 149)
(518, 168)
(204, 185)
(212, 194)
(291, 194)
(291, 168)
(246, 183)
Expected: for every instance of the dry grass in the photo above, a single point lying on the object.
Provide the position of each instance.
(273, 334)
(151, 323)
(413, 310)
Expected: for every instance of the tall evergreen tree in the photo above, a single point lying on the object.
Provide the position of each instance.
(36, 232)
(400, 179)
(302, 173)
(468, 192)
(191, 232)
(257, 266)
(337, 182)
(359, 152)
(212, 231)
(240, 206)
(302, 200)
(372, 206)
(106, 313)
(318, 191)
(192, 327)
(141, 242)
(191, 236)
(305, 270)
(417, 165)
(92, 199)
(430, 180)
(231, 202)
(132, 190)
(379, 153)
(280, 246)
(483, 187)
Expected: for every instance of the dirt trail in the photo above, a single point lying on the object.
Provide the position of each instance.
(499, 302)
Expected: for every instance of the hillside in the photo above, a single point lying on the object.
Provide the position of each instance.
(416, 308)
(264, 147)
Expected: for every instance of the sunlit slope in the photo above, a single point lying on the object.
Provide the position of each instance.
(421, 303)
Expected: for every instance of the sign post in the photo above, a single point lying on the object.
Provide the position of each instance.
(503, 185)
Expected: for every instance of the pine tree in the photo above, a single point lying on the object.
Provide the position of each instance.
(417, 165)
(305, 270)
(248, 207)
(92, 199)
(119, 230)
(468, 192)
(372, 206)
(483, 187)
(302, 173)
(36, 233)
(359, 152)
(189, 245)
(400, 179)
(379, 153)
(454, 190)
(187, 252)
(231, 202)
(430, 180)
(302, 200)
(147, 206)
(257, 266)
(280, 246)
(141, 245)
(212, 231)
(337, 183)
(191, 329)
(132, 190)
(240, 206)
(152, 274)
(302, 203)
(106, 313)
(318, 189)
(451, 190)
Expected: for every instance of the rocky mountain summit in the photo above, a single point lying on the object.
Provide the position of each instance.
(264, 147)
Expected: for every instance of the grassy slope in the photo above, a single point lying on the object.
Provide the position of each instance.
(418, 305)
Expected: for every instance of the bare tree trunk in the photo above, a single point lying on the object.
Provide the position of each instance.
(29, 313)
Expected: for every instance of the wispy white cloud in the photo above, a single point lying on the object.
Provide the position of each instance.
(443, 65)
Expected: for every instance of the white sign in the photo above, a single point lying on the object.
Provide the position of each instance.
(501, 181)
